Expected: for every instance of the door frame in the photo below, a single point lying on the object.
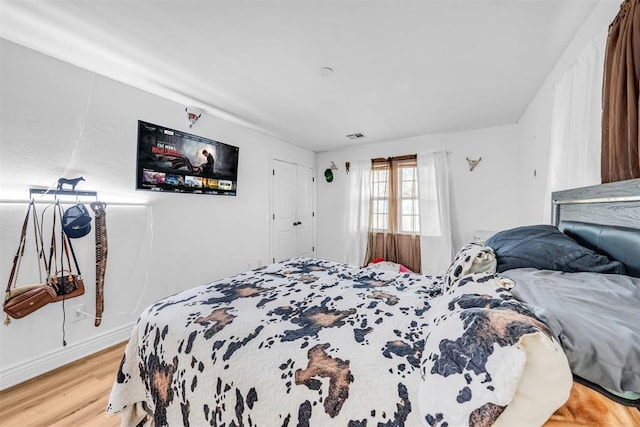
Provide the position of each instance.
(272, 159)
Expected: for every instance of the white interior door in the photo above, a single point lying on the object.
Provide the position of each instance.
(304, 211)
(293, 211)
(284, 239)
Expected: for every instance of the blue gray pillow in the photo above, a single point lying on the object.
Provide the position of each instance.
(546, 248)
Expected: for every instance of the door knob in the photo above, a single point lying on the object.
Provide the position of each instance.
(297, 223)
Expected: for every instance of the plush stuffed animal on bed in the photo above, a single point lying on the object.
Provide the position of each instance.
(381, 264)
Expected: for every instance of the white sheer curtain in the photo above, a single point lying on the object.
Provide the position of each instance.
(357, 223)
(435, 225)
(574, 157)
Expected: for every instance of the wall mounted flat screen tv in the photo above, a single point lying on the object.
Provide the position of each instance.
(173, 161)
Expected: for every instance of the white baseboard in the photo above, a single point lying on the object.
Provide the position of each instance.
(43, 364)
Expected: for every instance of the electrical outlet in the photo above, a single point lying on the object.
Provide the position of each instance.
(78, 313)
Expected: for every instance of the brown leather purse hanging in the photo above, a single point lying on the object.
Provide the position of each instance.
(65, 282)
(20, 301)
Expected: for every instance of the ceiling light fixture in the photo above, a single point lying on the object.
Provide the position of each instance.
(326, 71)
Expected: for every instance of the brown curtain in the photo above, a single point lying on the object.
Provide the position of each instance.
(391, 245)
(621, 96)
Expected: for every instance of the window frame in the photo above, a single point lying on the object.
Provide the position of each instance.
(391, 166)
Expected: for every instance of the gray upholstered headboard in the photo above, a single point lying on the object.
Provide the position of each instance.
(605, 218)
(619, 243)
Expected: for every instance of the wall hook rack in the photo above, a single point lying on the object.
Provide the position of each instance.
(56, 193)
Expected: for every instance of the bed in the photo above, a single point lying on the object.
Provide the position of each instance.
(311, 342)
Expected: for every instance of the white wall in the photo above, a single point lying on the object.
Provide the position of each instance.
(59, 120)
(507, 189)
(535, 124)
(485, 199)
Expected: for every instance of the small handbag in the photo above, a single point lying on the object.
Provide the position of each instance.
(27, 302)
(65, 283)
(20, 301)
(67, 286)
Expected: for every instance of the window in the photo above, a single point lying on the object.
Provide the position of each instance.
(370, 217)
(394, 217)
(409, 207)
(394, 195)
(380, 199)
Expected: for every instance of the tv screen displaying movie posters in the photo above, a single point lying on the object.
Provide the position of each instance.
(174, 161)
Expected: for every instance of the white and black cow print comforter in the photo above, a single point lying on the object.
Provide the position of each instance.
(310, 342)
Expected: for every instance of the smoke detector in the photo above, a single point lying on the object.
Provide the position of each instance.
(355, 136)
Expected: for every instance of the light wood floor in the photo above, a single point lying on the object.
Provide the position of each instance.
(73, 395)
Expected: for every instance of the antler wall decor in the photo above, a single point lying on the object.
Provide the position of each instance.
(193, 114)
(473, 163)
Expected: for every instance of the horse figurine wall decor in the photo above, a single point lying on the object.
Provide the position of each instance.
(70, 181)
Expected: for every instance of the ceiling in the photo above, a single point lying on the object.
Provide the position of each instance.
(400, 68)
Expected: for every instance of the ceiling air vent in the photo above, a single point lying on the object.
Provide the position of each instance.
(355, 136)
